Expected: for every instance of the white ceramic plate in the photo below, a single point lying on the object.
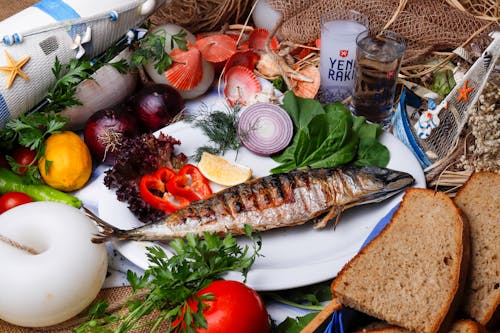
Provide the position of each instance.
(292, 257)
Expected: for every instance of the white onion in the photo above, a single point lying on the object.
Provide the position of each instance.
(265, 128)
(208, 68)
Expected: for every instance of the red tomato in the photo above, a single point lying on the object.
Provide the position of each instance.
(12, 199)
(24, 157)
(235, 308)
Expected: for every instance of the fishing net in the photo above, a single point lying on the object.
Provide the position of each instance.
(433, 151)
(427, 25)
(201, 15)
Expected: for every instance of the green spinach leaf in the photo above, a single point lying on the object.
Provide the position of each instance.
(329, 137)
(295, 325)
(337, 125)
(301, 110)
(372, 152)
(344, 155)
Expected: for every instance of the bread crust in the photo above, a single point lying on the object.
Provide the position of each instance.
(492, 316)
(459, 326)
(452, 302)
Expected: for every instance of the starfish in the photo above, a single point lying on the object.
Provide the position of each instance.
(15, 68)
(464, 92)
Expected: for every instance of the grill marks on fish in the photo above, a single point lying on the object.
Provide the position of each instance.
(277, 200)
(274, 201)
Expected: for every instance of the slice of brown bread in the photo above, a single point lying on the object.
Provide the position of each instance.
(412, 273)
(479, 199)
(459, 326)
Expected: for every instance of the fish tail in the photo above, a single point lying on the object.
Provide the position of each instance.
(108, 231)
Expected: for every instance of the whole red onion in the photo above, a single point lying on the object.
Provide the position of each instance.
(155, 105)
(105, 130)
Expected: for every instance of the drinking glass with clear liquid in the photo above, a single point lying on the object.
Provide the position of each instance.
(378, 60)
(339, 30)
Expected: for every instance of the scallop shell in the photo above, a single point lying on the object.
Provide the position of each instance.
(186, 71)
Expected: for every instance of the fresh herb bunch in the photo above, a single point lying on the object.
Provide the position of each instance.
(62, 93)
(32, 129)
(168, 283)
(152, 48)
(329, 136)
(220, 127)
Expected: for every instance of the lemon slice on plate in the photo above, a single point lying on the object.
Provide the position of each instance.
(223, 172)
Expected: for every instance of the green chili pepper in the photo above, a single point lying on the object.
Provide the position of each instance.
(10, 182)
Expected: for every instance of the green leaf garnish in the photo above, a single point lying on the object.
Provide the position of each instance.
(152, 48)
(169, 282)
(329, 136)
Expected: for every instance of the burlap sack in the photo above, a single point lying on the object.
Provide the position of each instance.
(114, 296)
(9, 7)
(427, 25)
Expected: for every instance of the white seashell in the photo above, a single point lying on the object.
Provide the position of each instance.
(267, 66)
(108, 88)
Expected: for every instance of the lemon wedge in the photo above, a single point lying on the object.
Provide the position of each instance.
(223, 172)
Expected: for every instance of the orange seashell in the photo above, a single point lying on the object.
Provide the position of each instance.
(306, 89)
(186, 71)
(216, 48)
(257, 40)
(240, 85)
(246, 58)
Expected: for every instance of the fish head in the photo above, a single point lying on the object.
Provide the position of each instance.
(377, 184)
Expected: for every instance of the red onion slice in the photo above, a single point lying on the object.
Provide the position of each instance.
(265, 128)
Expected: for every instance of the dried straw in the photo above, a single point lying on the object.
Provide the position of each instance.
(201, 15)
(483, 9)
(422, 70)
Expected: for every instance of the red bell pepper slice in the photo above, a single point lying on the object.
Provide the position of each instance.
(154, 191)
(189, 183)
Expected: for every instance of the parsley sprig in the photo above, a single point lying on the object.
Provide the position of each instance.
(169, 282)
(32, 129)
(152, 48)
(62, 94)
(68, 76)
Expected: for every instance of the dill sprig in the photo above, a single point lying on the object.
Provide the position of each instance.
(220, 127)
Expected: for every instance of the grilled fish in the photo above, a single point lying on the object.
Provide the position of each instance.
(274, 201)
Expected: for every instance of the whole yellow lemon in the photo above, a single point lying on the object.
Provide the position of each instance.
(66, 164)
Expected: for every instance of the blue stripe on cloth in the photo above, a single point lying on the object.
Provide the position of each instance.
(61, 11)
(4, 111)
(58, 9)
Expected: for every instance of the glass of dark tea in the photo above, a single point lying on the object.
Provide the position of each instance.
(378, 60)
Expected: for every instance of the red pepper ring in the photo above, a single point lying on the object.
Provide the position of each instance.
(157, 181)
(189, 183)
